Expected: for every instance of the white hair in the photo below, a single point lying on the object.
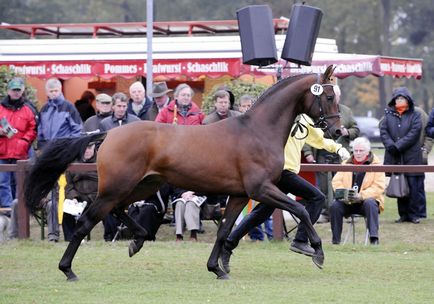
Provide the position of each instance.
(337, 91)
(137, 84)
(53, 83)
(362, 141)
(181, 87)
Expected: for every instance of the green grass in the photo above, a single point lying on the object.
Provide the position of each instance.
(400, 270)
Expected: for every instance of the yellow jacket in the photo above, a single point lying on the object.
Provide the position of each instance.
(373, 184)
(306, 133)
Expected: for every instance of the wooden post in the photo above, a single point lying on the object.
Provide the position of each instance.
(23, 212)
(277, 225)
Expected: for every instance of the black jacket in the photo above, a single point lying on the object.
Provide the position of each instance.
(402, 132)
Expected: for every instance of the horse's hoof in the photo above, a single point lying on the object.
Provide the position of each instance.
(73, 279)
(318, 260)
(223, 277)
(133, 249)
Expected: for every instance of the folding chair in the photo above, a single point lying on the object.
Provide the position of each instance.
(352, 229)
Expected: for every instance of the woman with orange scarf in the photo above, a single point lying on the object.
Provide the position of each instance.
(400, 132)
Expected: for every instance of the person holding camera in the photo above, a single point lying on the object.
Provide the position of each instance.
(365, 192)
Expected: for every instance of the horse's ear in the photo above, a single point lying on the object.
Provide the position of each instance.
(328, 73)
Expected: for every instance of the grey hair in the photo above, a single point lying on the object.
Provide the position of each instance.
(120, 96)
(362, 141)
(220, 94)
(53, 83)
(181, 87)
(246, 97)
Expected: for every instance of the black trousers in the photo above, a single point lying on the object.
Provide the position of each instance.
(338, 210)
(289, 183)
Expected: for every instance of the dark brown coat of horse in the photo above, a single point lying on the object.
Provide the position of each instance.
(240, 156)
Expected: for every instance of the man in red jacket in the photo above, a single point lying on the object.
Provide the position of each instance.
(17, 132)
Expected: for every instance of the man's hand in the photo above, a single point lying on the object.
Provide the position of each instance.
(310, 159)
(344, 131)
(2, 132)
(343, 153)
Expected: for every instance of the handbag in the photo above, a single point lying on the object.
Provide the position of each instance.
(398, 186)
(211, 211)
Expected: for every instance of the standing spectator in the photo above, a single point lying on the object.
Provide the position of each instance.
(139, 104)
(425, 140)
(84, 105)
(221, 104)
(119, 117)
(349, 131)
(81, 186)
(17, 132)
(369, 188)
(103, 110)
(182, 110)
(58, 119)
(161, 99)
(400, 133)
(245, 103)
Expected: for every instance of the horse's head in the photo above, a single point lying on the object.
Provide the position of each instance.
(322, 104)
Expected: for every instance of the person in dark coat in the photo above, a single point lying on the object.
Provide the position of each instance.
(84, 105)
(400, 132)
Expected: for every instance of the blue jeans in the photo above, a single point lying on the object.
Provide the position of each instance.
(7, 185)
(257, 233)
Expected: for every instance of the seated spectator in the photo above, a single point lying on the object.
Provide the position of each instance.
(150, 213)
(368, 198)
(187, 213)
(84, 105)
(81, 186)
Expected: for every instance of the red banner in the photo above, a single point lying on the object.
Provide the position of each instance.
(128, 68)
(348, 65)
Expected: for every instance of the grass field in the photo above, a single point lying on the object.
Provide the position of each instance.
(400, 270)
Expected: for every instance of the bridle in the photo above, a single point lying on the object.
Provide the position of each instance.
(321, 122)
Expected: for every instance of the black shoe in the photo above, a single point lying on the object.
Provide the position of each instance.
(302, 248)
(401, 220)
(374, 241)
(415, 221)
(225, 256)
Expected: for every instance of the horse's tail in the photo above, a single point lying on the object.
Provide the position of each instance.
(52, 162)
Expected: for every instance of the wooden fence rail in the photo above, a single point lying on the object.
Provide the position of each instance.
(22, 168)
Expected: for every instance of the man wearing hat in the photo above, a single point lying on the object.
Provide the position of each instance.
(103, 110)
(160, 99)
(18, 123)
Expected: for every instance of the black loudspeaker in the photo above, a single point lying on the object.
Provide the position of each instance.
(258, 44)
(302, 32)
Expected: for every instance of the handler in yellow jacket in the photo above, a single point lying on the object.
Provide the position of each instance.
(367, 196)
(302, 132)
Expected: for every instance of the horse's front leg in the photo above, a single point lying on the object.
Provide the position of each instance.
(269, 194)
(233, 208)
(138, 231)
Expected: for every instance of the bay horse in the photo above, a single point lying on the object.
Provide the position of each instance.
(241, 157)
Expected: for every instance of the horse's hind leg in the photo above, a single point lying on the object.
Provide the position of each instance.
(233, 209)
(138, 231)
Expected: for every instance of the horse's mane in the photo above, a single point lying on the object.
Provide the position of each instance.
(283, 82)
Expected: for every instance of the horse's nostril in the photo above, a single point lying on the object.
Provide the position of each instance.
(338, 132)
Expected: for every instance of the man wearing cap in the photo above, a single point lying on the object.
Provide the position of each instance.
(160, 99)
(103, 110)
(139, 104)
(18, 122)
